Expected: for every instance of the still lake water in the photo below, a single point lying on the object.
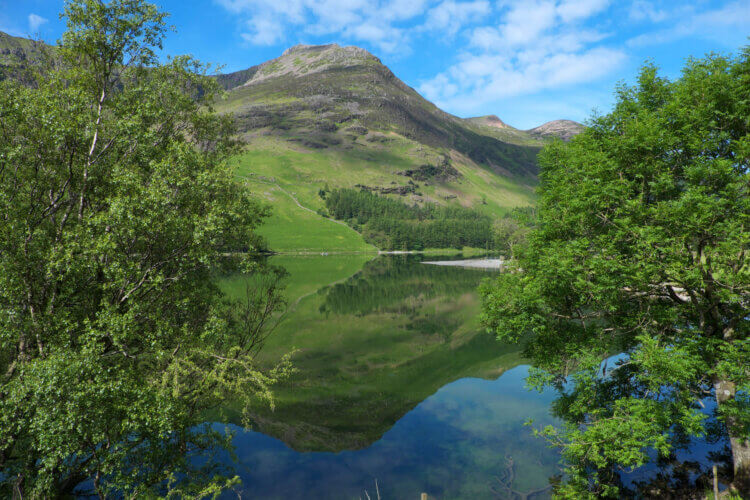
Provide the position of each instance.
(396, 382)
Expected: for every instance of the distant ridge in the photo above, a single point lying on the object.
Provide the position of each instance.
(564, 129)
(490, 121)
(561, 129)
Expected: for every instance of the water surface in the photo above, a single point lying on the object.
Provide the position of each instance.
(396, 382)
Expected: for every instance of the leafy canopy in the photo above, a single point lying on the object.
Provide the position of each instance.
(641, 249)
(116, 206)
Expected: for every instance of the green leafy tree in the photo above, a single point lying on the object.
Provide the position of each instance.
(116, 206)
(508, 233)
(642, 249)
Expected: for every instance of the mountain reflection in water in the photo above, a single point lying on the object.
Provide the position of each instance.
(396, 381)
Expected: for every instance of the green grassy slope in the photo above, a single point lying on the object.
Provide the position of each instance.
(298, 229)
(305, 172)
(281, 172)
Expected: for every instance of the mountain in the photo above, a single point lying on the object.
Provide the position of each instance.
(17, 55)
(16, 51)
(494, 126)
(322, 95)
(327, 115)
(489, 121)
(564, 129)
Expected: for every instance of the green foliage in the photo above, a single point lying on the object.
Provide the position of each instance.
(641, 248)
(392, 224)
(513, 229)
(116, 206)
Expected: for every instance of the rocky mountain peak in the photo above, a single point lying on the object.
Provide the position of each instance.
(303, 59)
(564, 129)
(494, 121)
(301, 47)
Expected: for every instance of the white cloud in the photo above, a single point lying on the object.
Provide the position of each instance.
(263, 31)
(729, 25)
(387, 24)
(526, 20)
(449, 16)
(391, 25)
(573, 10)
(399, 10)
(537, 45)
(641, 10)
(379, 34)
(491, 77)
(35, 22)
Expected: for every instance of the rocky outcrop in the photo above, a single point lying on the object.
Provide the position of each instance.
(442, 172)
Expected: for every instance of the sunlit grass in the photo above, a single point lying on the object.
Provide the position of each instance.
(280, 172)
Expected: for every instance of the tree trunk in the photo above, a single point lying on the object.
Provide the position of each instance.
(725, 391)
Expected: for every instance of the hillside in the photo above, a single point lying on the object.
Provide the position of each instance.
(18, 55)
(326, 94)
(332, 116)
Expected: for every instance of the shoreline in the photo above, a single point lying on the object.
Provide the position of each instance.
(472, 263)
(469, 252)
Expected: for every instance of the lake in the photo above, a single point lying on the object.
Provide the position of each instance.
(397, 383)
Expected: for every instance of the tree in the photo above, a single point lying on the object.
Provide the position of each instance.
(508, 232)
(642, 249)
(116, 208)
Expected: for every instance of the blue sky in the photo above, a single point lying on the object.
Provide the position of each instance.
(527, 61)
